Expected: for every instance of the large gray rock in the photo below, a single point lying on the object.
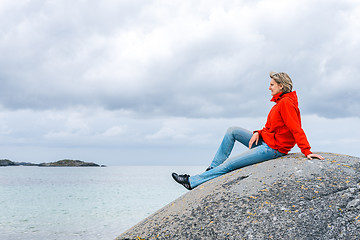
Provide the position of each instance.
(284, 198)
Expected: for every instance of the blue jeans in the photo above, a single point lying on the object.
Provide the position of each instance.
(222, 164)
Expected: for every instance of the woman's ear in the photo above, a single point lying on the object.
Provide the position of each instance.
(281, 86)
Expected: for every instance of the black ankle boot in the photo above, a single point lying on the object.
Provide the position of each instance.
(209, 168)
(182, 179)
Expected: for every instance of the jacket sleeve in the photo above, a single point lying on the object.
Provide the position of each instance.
(290, 113)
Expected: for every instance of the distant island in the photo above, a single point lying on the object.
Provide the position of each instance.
(60, 163)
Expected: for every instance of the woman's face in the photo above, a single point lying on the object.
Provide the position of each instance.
(275, 88)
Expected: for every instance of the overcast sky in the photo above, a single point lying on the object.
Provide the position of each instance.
(159, 82)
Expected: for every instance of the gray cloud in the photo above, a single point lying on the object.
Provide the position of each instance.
(182, 61)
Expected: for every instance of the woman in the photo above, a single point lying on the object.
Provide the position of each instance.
(281, 132)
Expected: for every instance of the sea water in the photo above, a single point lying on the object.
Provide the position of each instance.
(84, 202)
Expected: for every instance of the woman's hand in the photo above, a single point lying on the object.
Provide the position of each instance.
(313, 155)
(254, 138)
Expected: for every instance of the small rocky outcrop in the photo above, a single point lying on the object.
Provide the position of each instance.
(6, 162)
(26, 164)
(285, 198)
(69, 163)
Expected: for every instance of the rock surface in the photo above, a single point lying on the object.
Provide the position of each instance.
(284, 198)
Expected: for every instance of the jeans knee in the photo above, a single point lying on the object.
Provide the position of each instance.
(230, 130)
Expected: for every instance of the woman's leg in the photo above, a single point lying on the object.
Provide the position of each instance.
(252, 156)
(233, 133)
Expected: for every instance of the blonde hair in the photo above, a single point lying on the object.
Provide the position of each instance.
(283, 79)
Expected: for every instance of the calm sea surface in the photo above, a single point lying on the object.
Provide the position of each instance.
(82, 203)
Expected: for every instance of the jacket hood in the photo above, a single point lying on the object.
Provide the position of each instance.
(292, 95)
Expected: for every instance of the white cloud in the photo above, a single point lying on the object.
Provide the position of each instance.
(115, 131)
(165, 133)
(5, 130)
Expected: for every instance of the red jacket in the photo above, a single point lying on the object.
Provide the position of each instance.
(283, 126)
